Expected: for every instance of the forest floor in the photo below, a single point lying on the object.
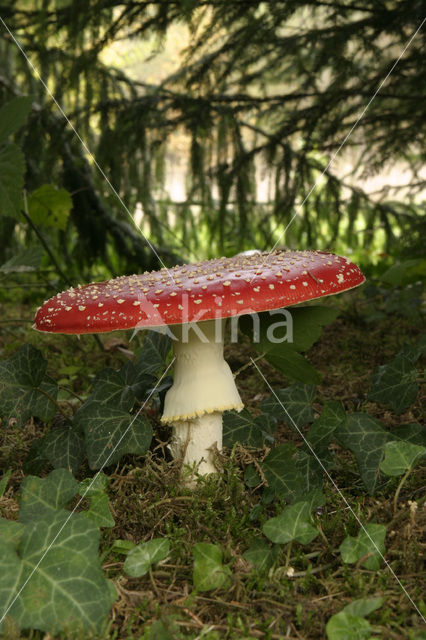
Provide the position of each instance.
(295, 597)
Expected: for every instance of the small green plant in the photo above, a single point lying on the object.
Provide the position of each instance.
(94, 489)
(209, 571)
(395, 384)
(367, 548)
(286, 356)
(295, 522)
(141, 557)
(104, 427)
(400, 458)
(399, 291)
(350, 622)
(51, 577)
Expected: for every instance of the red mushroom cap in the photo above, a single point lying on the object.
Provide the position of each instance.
(218, 288)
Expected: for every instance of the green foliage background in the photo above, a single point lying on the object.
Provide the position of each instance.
(263, 92)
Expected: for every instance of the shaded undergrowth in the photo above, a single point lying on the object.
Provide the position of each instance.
(306, 584)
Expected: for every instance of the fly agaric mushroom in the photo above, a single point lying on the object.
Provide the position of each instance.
(195, 299)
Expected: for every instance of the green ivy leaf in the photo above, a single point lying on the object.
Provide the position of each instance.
(310, 469)
(110, 429)
(12, 168)
(413, 432)
(349, 624)
(144, 555)
(261, 555)
(400, 272)
(67, 591)
(266, 425)
(280, 470)
(42, 496)
(99, 511)
(123, 546)
(244, 428)
(400, 456)
(24, 385)
(366, 438)
(308, 323)
(92, 486)
(294, 523)
(240, 427)
(36, 461)
(50, 207)
(155, 348)
(4, 480)
(111, 432)
(300, 332)
(405, 301)
(322, 431)
(343, 626)
(283, 333)
(363, 607)
(110, 386)
(370, 540)
(293, 364)
(64, 448)
(209, 572)
(292, 405)
(414, 351)
(13, 116)
(251, 476)
(164, 629)
(11, 531)
(288, 474)
(315, 499)
(395, 384)
(138, 382)
(94, 490)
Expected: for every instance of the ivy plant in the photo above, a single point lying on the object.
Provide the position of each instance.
(350, 622)
(50, 572)
(105, 427)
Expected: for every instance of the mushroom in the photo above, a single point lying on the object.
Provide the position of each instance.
(195, 300)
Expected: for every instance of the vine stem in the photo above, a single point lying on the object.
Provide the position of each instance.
(288, 556)
(247, 365)
(71, 392)
(56, 403)
(398, 489)
(152, 579)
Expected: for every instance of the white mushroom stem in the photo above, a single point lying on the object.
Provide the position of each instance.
(195, 441)
(203, 388)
